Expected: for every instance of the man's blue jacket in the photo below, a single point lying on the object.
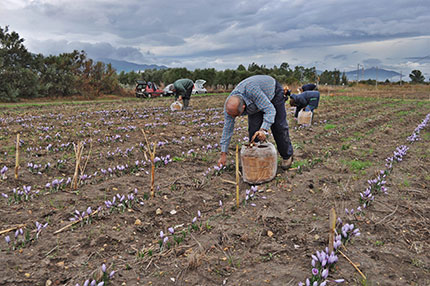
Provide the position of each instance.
(306, 99)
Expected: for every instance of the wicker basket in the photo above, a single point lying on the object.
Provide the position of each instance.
(259, 162)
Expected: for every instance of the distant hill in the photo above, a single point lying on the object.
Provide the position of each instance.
(374, 73)
(128, 66)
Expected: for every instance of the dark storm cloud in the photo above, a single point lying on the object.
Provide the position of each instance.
(335, 57)
(425, 59)
(190, 30)
(372, 62)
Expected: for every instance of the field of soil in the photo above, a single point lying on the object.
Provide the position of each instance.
(268, 240)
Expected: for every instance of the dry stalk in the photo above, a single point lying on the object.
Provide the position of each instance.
(152, 156)
(352, 263)
(86, 161)
(17, 156)
(237, 175)
(73, 223)
(78, 155)
(12, 228)
(332, 227)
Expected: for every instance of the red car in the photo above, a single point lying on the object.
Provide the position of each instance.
(148, 89)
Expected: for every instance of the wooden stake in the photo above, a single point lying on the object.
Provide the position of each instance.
(152, 156)
(332, 227)
(12, 228)
(17, 156)
(237, 175)
(73, 223)
(78, 154)
(152, 172)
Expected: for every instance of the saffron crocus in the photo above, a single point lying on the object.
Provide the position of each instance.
(194, 219)
(315, 271)
(324, 274)
(103, 268)
(171, 230)
(161, 234)
(86, 283)
(7, 238)
(199, 214)
(112, 274)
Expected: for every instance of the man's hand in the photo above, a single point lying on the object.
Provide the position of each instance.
(222, 159)
(180, 98)
(260, 134)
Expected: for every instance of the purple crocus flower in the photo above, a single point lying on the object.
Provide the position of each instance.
(324, 274)
(171, 230)
(7, 238)
(103, 268)
(112, 274)
(194, 219)
(86, 283)
(315, 271)
(161, 234)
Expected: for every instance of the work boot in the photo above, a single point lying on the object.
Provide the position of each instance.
(286, 163)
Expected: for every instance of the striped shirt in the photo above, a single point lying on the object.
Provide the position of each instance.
(257, 91)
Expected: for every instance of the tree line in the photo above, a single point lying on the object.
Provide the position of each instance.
(27, 75)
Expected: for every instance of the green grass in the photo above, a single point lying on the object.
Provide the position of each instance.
(329, 126)
(358, 165)
(300, 163)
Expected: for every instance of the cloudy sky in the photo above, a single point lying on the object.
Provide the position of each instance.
(222, 34)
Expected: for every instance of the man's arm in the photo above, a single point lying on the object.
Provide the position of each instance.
(227, 132)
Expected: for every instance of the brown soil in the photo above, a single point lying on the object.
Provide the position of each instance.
(267, 244)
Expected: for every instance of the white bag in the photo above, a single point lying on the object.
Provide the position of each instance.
(175, 106)
(305, 117)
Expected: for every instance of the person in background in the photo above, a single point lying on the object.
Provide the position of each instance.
(307, 100)
(260, 97)
(182, 89)
(309, 86)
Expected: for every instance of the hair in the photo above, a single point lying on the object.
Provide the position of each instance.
(232, 100)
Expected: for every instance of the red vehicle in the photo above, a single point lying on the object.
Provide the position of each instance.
(148, 89)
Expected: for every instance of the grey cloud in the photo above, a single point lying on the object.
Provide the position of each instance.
(228, 29)
(425, 59)
(372, 62)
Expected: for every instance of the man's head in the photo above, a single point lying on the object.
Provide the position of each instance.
(234, 105)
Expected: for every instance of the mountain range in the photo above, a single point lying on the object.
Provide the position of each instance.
(363, 74)
(125, 66)
(376, 74)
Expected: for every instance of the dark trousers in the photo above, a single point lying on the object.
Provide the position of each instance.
(279, 127)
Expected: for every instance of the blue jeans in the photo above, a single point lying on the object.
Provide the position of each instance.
(279, 127)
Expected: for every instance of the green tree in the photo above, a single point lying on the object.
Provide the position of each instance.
(18, 78)
(344, 79)
(416, 76)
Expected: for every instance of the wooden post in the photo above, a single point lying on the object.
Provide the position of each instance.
(78, 154)
(152, 157)
(17, 156)
(237, 175)
(331, 230)
(152, 171)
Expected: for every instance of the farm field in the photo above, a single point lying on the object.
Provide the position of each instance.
(268, 240)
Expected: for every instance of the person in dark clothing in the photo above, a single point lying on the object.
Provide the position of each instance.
(307, 100)
(182, 89)
(309, 86)
(260, 97)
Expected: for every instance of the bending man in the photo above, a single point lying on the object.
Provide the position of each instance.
(260, 97)
(182, 89)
